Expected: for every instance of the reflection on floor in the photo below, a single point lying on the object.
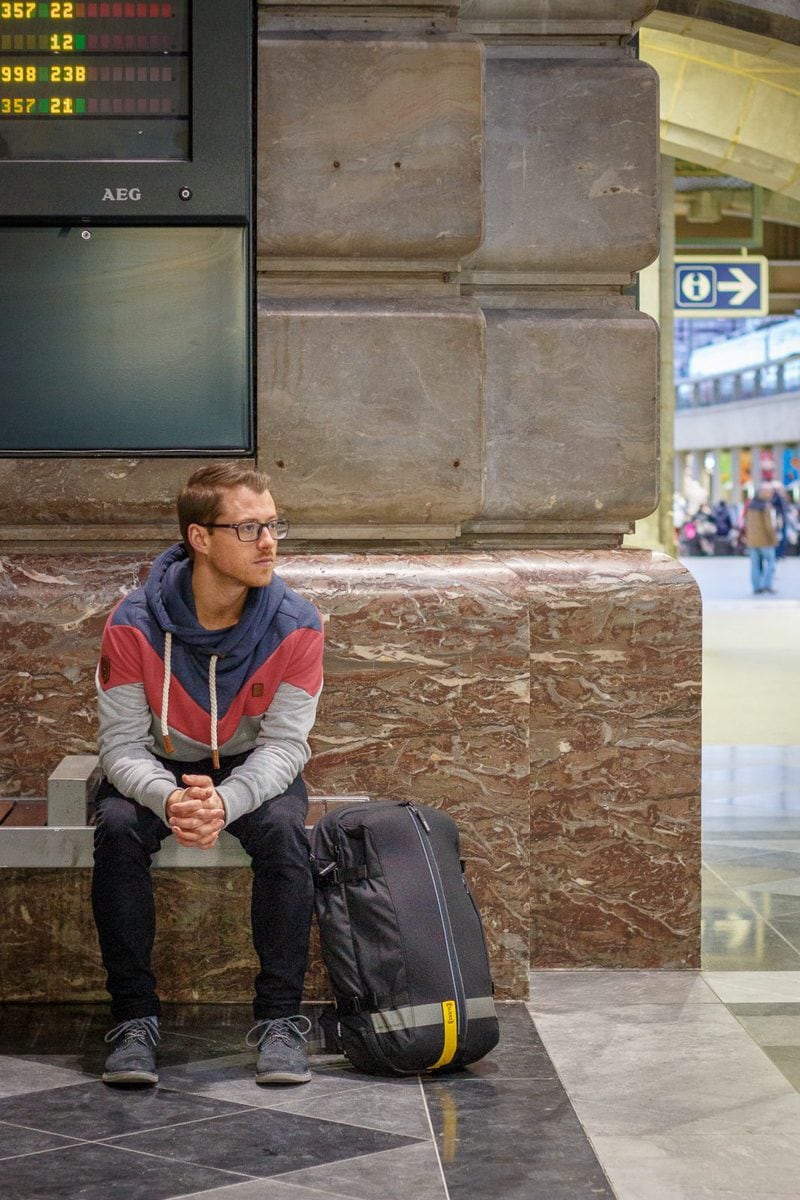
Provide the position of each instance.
(751, 892)
(634, 1085)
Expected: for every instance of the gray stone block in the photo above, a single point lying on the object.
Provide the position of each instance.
(583, 15)
(371, 412)
(572, 416)
(70, 788)
(369, 147)
(571, 165)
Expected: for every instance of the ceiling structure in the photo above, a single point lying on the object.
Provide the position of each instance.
(730, 117)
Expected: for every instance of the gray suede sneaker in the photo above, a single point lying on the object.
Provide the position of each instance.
(133, 1059)
(281, 1053)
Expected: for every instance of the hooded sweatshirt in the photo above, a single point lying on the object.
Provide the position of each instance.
(167, 686)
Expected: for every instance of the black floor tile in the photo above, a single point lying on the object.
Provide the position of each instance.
(100, 1172)
(93, 1110)
(263, 1142)
(520, 1141)
(15, 1140)
(518, 1055)
(506, 1128)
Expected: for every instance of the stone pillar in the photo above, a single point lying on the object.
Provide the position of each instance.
(736, 467)
(678, 471)
(457, 403)
(716, 483)
(755, 467)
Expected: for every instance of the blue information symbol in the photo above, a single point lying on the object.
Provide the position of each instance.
(695, 286)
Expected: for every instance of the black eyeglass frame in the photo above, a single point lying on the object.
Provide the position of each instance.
(278, 529)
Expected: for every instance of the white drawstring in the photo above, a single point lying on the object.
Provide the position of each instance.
(212, 695)
(166, 739)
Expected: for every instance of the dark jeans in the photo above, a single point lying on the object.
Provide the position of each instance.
(127, 835)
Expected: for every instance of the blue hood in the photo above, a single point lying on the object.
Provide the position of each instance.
(168, 592)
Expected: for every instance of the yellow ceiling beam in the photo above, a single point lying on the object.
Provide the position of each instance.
(726, 107)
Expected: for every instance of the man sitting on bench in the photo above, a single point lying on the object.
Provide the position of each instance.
(208, 684)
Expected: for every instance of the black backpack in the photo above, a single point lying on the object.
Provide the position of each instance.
(402, 939)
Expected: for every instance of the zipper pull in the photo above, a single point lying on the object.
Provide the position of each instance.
(412, 808)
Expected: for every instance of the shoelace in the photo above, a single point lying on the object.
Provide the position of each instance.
(281, 1029)
(138, 1029)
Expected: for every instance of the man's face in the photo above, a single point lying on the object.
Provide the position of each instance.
(230, 560)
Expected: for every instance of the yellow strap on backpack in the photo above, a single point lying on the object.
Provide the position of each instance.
(450, 1022)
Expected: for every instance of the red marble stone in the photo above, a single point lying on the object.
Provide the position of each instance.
(549, 701)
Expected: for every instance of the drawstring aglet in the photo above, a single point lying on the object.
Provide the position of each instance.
(215, 759)
(168, 746)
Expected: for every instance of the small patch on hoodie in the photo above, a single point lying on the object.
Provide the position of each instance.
(257, 689)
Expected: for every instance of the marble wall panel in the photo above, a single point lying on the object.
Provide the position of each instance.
(203, 950)
(571, 414)
(571, 165)
(615, 759)
(52, 610)
(426, 696)
(371, 412)
(369, 147)
(552, 692)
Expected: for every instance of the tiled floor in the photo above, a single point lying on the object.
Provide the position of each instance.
(209, 1130)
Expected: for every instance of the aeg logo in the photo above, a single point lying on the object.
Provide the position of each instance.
(133, 193)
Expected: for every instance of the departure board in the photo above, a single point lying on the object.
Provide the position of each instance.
(95, 80)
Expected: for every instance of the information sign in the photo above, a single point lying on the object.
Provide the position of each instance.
(721, 285)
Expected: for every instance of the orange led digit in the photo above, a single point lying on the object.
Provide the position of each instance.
(103, 79)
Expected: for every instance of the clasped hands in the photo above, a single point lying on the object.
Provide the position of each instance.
(196, 813)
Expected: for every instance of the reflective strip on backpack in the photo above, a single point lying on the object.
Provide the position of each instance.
(417, 1016)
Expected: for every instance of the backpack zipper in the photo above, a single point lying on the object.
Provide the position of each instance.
(449, 940)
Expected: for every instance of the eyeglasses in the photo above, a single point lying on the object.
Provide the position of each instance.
(250, 531)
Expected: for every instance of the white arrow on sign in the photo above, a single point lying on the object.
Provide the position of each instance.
(741, 284)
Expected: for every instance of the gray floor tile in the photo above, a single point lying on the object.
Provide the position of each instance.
(20, 1075)
(338, 1095)
(561, 990)
(754, 987)
(413, 1173)
(771, 1030)
(269, 1189)
(678, 1101)
(787, 1060)
(703, 1167)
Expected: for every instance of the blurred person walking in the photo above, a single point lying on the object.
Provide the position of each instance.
(761, 535)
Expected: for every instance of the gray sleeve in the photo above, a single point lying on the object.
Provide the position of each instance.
(125, 743)
(280, 753)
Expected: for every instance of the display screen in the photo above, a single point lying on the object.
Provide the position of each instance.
(104, 80)
(116, 340)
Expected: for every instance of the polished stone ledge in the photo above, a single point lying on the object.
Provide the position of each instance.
(71, 846)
